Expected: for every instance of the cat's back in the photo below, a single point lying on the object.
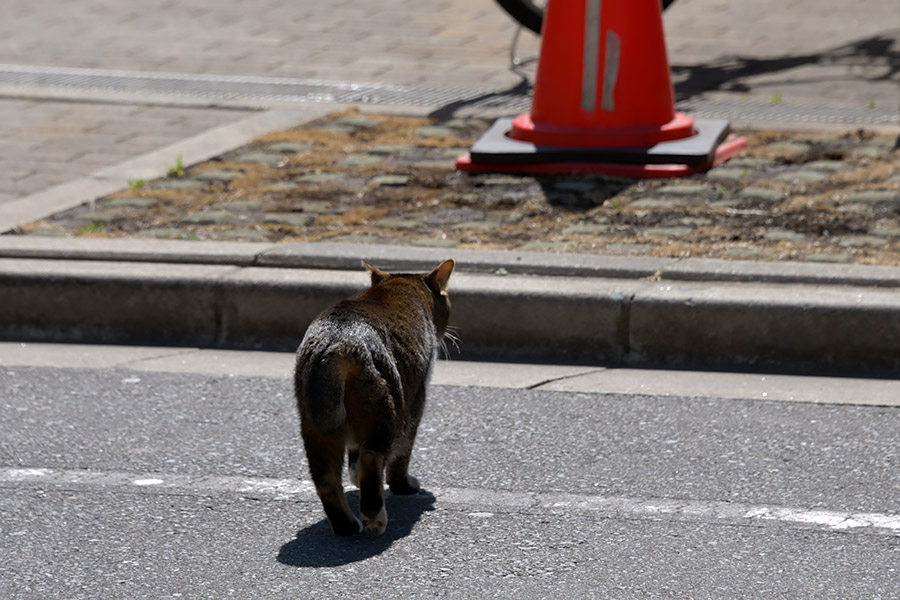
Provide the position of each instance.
(344, 326)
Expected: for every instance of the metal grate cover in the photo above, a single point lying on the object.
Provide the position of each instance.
(256, 91)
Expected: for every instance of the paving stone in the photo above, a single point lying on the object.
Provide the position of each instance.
(354, 238)
(862, 241)
(855, 207)
(695, 221)
(726, 203)
(390, 149)
(784, 235)
(542, 246)
(475, 225)
(870, 152)
(270, 159)
(454, 215)
(133, 202)
(461, 124)
(761, 194)
(829, 258)
(282, 186)
(313, 206)
(751, 162)
(873, 196)
(827, 165)
(390, 180)
(53, 233)
(683, 189)
(399, 223)
(319, 178)
(436, 131)
(168, 233)
(802, 176)
(515, 216)
(94, 216)
(653, 203)
(293, 219)
(290, 147)
(358, 122)
(629, 248)
(434, 164)
(894, 178)
(241, 205)
(742, 253)
(887, 230)
(435, 242)
(790, 148)
(178, 184)
(726, 174)
(823, 139)
(673, 231)
(882, 141)
(219, 176)
(587, 228)
(340, 129)
(244, 235)
(360, 160)
(207, 217)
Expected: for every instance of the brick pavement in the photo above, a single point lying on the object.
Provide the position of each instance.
(46, 143)
(836, 51)
(461, 43)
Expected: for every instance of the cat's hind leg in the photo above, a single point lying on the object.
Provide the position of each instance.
(371, 491)
(398, 477)
(325, 454)
(352, 465)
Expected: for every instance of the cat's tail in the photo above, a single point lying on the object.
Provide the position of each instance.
(322, 383)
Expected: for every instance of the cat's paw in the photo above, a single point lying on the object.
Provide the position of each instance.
(376, 524)
(346, 527)
(404, 487)
(353, 472)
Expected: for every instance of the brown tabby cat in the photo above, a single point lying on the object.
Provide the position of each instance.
(360, 379)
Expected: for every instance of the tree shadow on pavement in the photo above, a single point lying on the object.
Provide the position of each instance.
(316, 546)
(726, 73)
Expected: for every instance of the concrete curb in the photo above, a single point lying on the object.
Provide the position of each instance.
(324, 255)
(545, 308)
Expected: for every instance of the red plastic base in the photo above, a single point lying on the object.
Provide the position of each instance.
(728, 149)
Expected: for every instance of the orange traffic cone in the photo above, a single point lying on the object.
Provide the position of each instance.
(603, 102)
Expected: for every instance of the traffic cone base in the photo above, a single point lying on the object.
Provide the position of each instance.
(543, 134)
(728, 149)
(497, 152)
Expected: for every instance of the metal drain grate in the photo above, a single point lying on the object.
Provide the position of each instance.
(759, 109)
(256, 91)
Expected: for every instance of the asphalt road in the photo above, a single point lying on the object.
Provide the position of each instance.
(136, 484)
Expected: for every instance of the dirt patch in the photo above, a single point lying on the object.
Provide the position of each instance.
(385, 179)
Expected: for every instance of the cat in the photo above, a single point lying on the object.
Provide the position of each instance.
(360, 379)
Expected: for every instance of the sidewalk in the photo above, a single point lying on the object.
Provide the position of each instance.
(760, 64)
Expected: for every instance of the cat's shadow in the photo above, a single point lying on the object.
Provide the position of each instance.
(317, 546)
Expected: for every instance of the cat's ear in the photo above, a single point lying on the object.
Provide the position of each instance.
(377, 274)
(437, 279)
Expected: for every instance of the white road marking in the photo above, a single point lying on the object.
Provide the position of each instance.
(476, 503)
